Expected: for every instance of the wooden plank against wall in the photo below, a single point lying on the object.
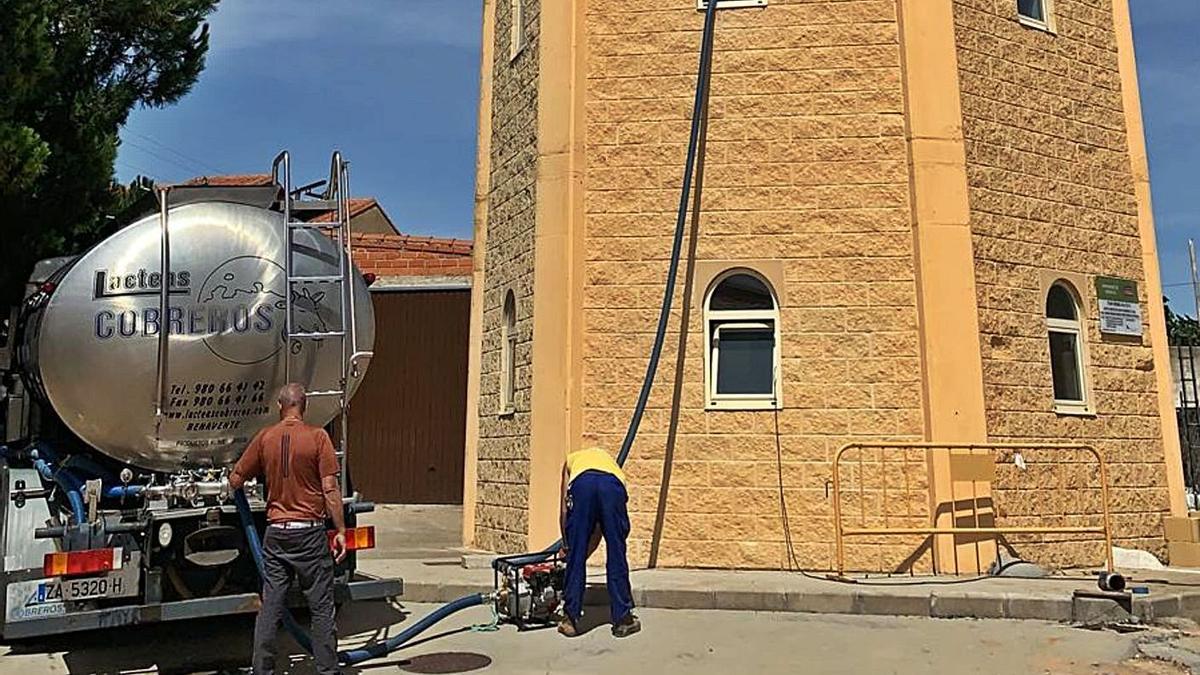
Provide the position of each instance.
(408, 419)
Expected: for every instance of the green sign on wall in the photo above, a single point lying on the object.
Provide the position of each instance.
(1120, 313)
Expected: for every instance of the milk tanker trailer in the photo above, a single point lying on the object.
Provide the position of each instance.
(135, 375)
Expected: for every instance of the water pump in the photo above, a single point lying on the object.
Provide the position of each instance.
(529, 595)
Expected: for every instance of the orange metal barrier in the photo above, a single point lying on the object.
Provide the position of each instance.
(956, 464)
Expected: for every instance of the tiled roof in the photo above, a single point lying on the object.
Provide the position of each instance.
(233, 180)
(381, 254)
(357, 206)
(409, 255)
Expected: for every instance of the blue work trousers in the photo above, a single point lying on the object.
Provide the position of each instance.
(596, 498)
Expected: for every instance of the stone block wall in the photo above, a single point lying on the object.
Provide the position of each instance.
(806, 164)
(1051, 192)
(501, 520)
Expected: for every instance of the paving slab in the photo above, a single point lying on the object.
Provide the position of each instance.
(436, 569)
(1052, 599)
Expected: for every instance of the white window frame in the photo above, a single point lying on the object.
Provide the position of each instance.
(1073, 328)
(508, 353)
(518, 39)
(1047, 25)
(744, 320)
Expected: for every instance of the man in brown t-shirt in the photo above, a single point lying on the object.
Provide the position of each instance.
(301, 471)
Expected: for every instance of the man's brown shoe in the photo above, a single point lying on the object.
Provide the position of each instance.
(627, 626)
(567, 627)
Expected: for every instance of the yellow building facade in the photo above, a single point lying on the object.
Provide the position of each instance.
(907, 206)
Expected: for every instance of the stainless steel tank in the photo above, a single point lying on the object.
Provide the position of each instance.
(92, 347)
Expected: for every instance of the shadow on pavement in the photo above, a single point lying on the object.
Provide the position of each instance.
(217, 645)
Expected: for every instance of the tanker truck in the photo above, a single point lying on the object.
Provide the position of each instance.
(135, 373)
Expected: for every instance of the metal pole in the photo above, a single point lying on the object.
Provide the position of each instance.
(164, 309)
(285, 160)
(349, 320)
(838, 533)
(350, 326)
(1188, 413)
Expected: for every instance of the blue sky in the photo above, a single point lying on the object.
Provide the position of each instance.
(394, 85)
(1165, 33)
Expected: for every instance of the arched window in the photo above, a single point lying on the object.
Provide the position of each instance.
(741, 365)
(508, 352)
(1066, 348)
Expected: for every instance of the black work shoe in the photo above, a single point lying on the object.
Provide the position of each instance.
(567, 627)
(627, 626)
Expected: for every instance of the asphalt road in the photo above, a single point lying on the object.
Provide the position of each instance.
(673, 641)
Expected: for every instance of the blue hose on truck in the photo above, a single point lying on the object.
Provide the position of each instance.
(66, 481)
(399, 640)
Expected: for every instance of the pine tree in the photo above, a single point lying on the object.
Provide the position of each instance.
(71, 71)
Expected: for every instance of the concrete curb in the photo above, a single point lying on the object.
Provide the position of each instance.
(908, 600)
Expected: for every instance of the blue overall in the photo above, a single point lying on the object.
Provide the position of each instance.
(597, 498)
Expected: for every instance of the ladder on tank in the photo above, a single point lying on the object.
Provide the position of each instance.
(300, 213)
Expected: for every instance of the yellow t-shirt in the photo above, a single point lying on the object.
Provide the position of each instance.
(592, 459)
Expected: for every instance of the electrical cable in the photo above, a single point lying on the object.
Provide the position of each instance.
(205, 166)
(792, 561)
(161, 157)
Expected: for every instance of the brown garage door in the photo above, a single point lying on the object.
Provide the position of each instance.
(408, 419)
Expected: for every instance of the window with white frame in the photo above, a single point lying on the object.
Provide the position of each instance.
(508, 353)
(741, 365)
(1067, 365)
(518, 29)
(1036, 13)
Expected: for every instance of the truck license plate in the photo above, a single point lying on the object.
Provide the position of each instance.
(93, 587)
(122, 583)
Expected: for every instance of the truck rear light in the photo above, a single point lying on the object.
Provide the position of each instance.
(73, 563)
(357, 538)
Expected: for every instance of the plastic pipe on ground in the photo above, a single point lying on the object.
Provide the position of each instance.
(379, 649)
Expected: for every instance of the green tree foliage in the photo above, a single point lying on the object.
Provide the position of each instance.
(71, 71)
(1181, 329)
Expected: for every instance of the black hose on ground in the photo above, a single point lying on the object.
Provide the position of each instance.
(694, 142)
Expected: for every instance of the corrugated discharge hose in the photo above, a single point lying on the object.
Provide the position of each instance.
(400, 639)
(664, 314)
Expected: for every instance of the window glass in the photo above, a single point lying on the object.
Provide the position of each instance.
(741, 292)
(1034, 9)
(508, 350)
(1064, 363)
(1060, 304)
(518, 28)
(742, 357)
(746, 360)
